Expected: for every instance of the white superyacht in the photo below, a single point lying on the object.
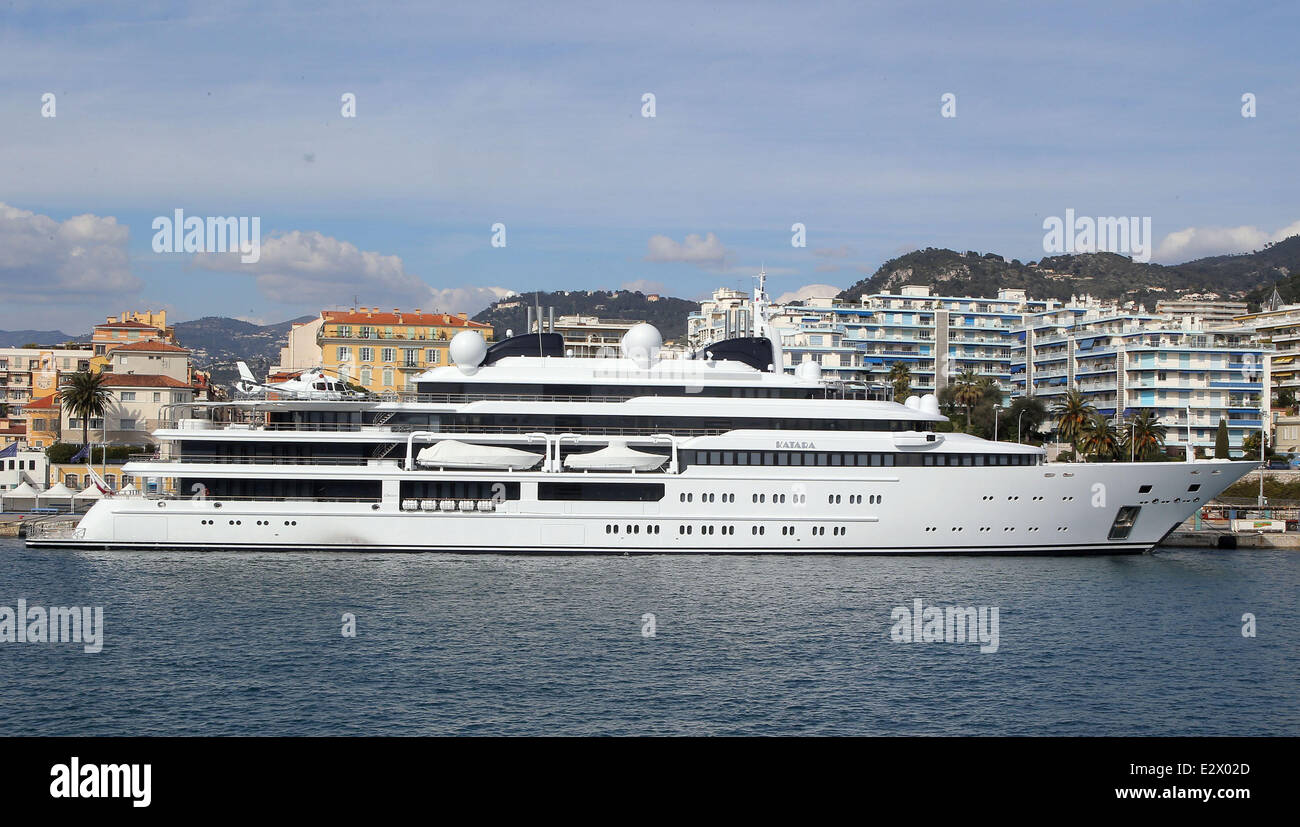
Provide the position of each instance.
(518, 448)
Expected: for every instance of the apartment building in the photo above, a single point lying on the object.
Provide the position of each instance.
(1204, 309)
(590, 336)
(936, 337)
(1189, 376)
(1278, 328)
(128, 328)
(29, 378)
(144, 380)
(301, 352)
(720, 317)
(384, 352)
(19, 465)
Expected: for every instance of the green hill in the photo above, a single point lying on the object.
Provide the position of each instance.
(1248, 277)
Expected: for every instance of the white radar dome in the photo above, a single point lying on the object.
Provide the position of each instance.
(930, 404)
(809, 370)
(913, 402)
(467, 350)
(642, 343)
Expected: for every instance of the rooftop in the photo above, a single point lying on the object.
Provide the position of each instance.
(372, 316)
(135, 380)
(151, 346)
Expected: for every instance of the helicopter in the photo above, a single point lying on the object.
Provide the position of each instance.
(313, 383)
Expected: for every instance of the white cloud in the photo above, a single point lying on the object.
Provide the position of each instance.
(465, 299)
(809, 291)
(696, 249)
(312, 269)
(80, 260)
(1197, 242)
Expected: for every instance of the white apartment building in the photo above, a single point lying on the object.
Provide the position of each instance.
(303, 350)
(144, 380)
(936, 337)
(1189, 376)
(30, 466)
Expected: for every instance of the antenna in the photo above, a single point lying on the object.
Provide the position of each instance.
(538, 298)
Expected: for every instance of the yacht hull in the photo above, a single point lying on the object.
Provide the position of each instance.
(1043, 509)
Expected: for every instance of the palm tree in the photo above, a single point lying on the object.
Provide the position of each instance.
(967, 391)
(1099, 440)
(900, 376)
(1147, 435)
(85, 395)
(1072, 416)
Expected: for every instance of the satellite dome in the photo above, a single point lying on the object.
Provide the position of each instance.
(467, 350)
(913, 402)
(809, 370)
(930, 404)
(641, 344)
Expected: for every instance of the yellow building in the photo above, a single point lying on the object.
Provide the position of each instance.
(126, 329)
(384, 352)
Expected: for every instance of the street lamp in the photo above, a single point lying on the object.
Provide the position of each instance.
(1263, 429)
(996, 409)
(1018, 418)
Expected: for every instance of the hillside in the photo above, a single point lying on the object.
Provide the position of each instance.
(18, 338)
(219, 342)
(666, 313)
(1104, 275)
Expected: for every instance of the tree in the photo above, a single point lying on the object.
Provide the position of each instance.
(1221, 440)
(1034, 414)
(984, 413)
(85, 396)
(967, 391)
(1072, 416)
(1147, 436)
(1250, 446)
(1286, 398)
(900, 376)
(1099, 440)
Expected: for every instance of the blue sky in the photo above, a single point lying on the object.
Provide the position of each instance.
(529, 114)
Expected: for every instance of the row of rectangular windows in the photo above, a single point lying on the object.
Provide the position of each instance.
(367, 332)
(843, 459)
(410, 357)
(729, 530)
